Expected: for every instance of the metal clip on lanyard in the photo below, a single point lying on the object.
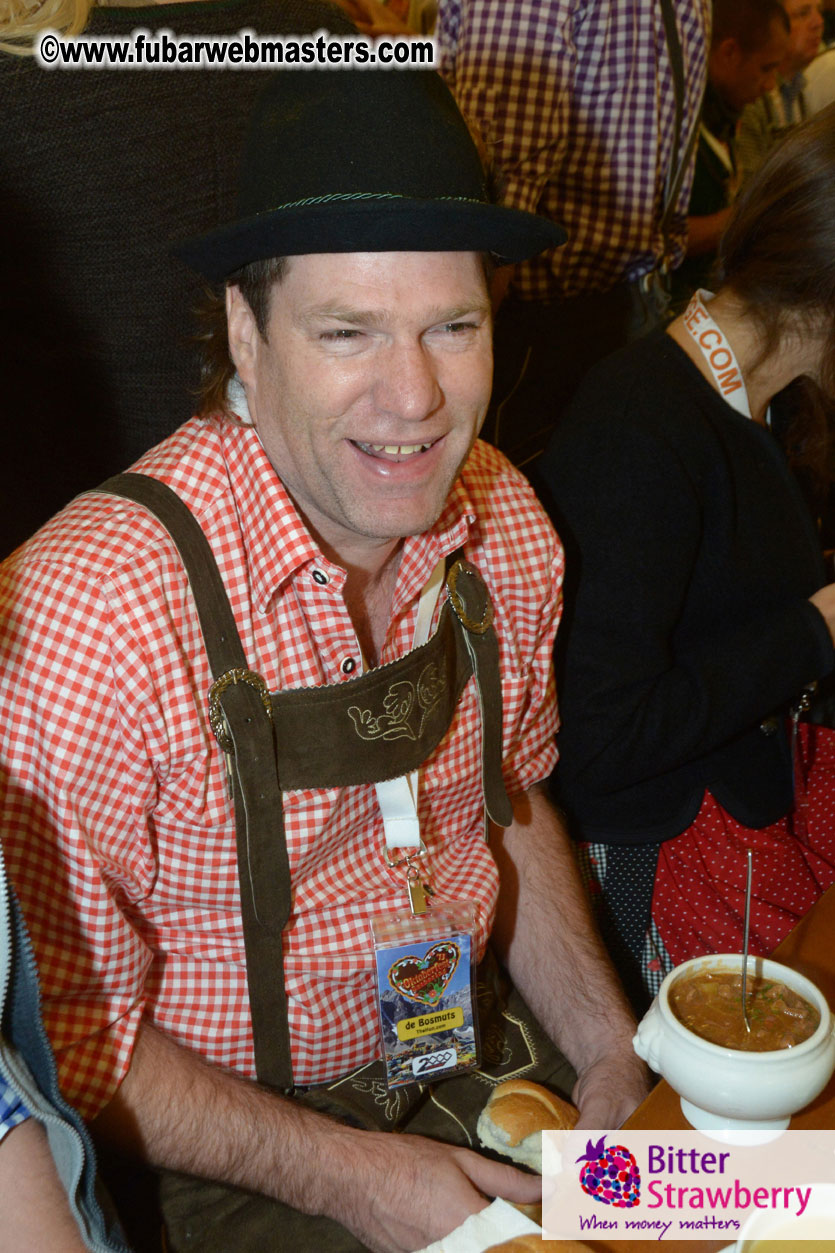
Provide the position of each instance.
(416, 886)
(398, 798)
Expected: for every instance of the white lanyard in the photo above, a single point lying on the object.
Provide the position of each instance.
(717, 352)
(721, 149)
(398, 798)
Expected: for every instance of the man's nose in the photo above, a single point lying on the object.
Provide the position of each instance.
(409, 386)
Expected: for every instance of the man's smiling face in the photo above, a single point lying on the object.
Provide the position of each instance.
(370, 387)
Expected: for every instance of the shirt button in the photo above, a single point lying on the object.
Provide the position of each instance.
(348, 666)
(320, 577)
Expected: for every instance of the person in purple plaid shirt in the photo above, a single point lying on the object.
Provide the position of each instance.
(576, 103)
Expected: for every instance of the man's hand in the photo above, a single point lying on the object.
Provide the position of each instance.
(415, 1191)
(395, 1192)
(609, 1089)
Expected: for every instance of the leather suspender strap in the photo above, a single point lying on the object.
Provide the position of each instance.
(389, 721)
(263, 866)
(473, 608)
(220, 633)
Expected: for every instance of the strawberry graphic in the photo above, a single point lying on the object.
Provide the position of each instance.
(610, 1175)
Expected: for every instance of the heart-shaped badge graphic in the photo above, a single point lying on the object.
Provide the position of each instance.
(424, 979)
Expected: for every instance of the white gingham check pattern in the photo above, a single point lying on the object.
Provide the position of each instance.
(575, 101)
(117, 826)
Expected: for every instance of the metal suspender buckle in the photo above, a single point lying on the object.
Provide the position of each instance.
(217, 718)
(469, 598)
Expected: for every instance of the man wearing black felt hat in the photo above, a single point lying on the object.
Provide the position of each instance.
(264, 735)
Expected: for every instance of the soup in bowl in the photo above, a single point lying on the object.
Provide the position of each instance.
(709, 1003)
(693, 1033)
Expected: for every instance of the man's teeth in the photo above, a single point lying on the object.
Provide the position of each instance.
(404, 450)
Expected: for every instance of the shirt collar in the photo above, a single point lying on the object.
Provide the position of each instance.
(276, 541)
(278, 544)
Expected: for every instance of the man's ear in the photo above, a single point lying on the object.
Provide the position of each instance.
(726, 56)
(244, 336)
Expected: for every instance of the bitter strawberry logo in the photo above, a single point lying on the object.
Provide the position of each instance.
(610, 1175)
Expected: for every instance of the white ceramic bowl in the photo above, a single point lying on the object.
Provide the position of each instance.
(723, 1089)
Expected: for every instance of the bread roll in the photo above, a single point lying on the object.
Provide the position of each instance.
(516, 1113)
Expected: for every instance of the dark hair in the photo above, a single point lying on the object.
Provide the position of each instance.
(749, 22)
(256, 282)
(778, 250)
(778, 256)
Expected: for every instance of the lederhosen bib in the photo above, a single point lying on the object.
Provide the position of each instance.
(378, 726)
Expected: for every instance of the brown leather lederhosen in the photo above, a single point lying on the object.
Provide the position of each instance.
(381, 725)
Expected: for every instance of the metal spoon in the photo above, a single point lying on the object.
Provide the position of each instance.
(748, 854)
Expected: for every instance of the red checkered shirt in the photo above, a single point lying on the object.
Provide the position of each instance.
(117, 825)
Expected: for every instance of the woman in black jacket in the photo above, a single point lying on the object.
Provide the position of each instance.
(697, 611)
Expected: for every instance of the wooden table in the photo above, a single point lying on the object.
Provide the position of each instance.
(809, 948)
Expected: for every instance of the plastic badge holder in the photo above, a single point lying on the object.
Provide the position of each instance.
(426, 992)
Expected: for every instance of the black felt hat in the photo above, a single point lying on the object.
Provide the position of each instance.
(363, 161)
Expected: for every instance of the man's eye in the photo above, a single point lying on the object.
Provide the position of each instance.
(457, 327)
(340, 334)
